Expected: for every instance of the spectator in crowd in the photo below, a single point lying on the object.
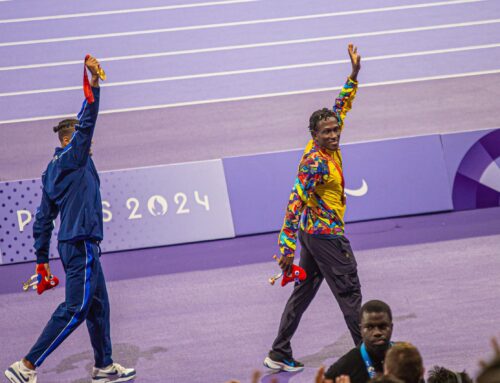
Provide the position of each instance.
(403, 361)
(443, 375)
(366, 360)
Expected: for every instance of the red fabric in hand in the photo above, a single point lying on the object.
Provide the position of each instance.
(298, 274)
(87, 89)
(44, 281)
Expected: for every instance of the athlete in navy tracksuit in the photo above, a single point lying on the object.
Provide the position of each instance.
(71, 188)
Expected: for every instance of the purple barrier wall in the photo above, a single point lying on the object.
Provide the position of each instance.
(473, 163)
(198, 201)
(259, 186)
(142, 207)
(383, 179)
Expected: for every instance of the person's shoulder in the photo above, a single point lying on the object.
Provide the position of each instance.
(353, 354)
(345, 364)
(313, 162)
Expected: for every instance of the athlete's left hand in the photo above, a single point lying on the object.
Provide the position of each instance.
(355, 61)
(92, 64)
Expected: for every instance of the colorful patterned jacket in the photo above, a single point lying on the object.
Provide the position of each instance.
(316, 203)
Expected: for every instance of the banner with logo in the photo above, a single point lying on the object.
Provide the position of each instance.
(383, 179)
(142, 207)
(259, 187)
(198, 201)
(473, 162)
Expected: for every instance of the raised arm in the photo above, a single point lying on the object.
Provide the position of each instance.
(343, 103)
(42, 228)
(311, 173)
(84, 130)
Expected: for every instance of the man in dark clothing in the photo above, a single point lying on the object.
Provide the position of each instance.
(367, 359)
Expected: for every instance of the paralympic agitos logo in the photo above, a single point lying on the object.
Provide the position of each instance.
(361, 191)
(477, 180)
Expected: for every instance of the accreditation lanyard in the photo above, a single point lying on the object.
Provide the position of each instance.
(339, 169)
(368, 361)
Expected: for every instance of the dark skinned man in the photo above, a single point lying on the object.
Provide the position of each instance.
(315, 214)
(367, 359)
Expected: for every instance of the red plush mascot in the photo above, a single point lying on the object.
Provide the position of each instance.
(297, 275)
(41, 281)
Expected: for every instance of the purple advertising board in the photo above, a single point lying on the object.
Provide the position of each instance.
(216, 199)
(383, 179)
(395, 177)
(259, 186)
(142, 207)
(473, 163)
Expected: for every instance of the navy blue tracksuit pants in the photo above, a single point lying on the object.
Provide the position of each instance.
(86, 299)
(334, 261)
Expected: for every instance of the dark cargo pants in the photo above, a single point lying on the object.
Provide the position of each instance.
(331, 259)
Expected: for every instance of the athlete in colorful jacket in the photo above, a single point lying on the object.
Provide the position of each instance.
(317, 201)
(315, 214)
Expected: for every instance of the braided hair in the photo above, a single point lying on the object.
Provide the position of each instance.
(320, 115)
(65, 127)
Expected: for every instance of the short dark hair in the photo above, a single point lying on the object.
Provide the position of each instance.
(403, 361)
(443, 375)
(319, 115)
(65, 127)
(376, 306)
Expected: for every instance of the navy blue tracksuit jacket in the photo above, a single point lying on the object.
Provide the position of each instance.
(71, 189)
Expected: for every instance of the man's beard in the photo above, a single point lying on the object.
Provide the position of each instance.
(380, 349)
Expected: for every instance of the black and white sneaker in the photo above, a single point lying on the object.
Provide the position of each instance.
(114, 373)
(19, 373)
(276, 363)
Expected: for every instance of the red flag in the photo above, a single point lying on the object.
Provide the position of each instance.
(87, 89)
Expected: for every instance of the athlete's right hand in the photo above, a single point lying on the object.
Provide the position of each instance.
(286, 264)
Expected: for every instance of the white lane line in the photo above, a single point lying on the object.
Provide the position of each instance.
(233, 24)
(255, 45)
(258, 96)
(254, 70)
(124, 11)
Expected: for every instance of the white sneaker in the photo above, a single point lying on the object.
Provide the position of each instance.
(113, 373)
(19, 373)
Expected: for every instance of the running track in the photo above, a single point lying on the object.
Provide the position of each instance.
(236, 77)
